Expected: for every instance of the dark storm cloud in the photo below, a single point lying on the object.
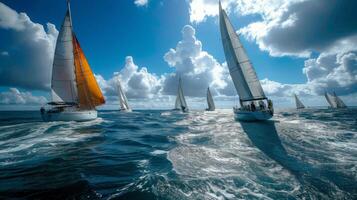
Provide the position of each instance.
(317, 25)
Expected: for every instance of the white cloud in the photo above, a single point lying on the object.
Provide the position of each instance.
(299, 28)
(289, 27)
(333, 71)
(197, 68)
(137, 83)
(30, 50)
(14, 96)
(141, 2)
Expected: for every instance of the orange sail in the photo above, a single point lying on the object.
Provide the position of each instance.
(89, 93)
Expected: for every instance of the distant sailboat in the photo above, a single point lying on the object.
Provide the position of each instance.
(244, 77)
(339, 102)
(123, 101)
(334, 101)
(180, 103)
(74, 89)
(210, 103)
(299, 104)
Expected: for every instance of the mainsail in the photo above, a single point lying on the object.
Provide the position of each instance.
(180, 102)
(177, 103)
(241, 69)
(72, 78)
(123, 101)
(331, 100)
(63, 84)
(339, 102)
(211, 106)
(299, 104)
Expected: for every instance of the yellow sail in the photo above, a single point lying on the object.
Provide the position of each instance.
(89, 93)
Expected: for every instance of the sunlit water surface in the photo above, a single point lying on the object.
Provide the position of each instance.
(309, 154)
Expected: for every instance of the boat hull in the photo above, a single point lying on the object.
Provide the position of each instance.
(79, 116)
(252, 116)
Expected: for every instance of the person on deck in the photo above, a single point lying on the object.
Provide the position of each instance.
(252, 106)
(261, 105)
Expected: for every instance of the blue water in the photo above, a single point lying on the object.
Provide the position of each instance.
(310, 154)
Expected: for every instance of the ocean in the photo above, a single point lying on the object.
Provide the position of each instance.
(308, 154)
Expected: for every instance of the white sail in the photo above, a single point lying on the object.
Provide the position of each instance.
(63, 84)
(331, 100)
(123, 101)
(241, 70)
(180, 102)
(299, 104)
(211, 106)
(177, 103)
(339, 102)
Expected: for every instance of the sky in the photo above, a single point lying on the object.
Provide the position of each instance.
(305, 47)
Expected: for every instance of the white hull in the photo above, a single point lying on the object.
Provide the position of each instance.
(79, 116)
(252, 116)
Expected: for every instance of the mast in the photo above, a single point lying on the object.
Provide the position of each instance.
(69, 13)
(241, 69)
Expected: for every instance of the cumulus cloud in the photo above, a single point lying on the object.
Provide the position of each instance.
(289, 27)
(299, 28)
(303, 27)
(197, 68)
(141, 2)
(137, 83)
(14, 96)
(334, 71)
(29, 50)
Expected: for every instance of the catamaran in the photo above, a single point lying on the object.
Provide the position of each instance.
(254, 105)
(180, 103)
(123, 101)
(299, 104)
(334, 101)
(210, 103)
(74, 90)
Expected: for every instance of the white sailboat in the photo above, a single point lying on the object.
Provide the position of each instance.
(299, 104)
(251, 95)
(210, 102)
(123, 101)
(74, 90)
(180, 103)
(339, 102)
(334, 101)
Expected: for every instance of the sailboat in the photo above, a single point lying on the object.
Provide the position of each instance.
(251, 95)
(339, 102)
(123, 101)
(334, 101)
(210, 103)
(74, 90)
(180, 103)
(299, 104)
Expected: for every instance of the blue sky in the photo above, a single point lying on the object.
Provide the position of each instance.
(111, 30)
